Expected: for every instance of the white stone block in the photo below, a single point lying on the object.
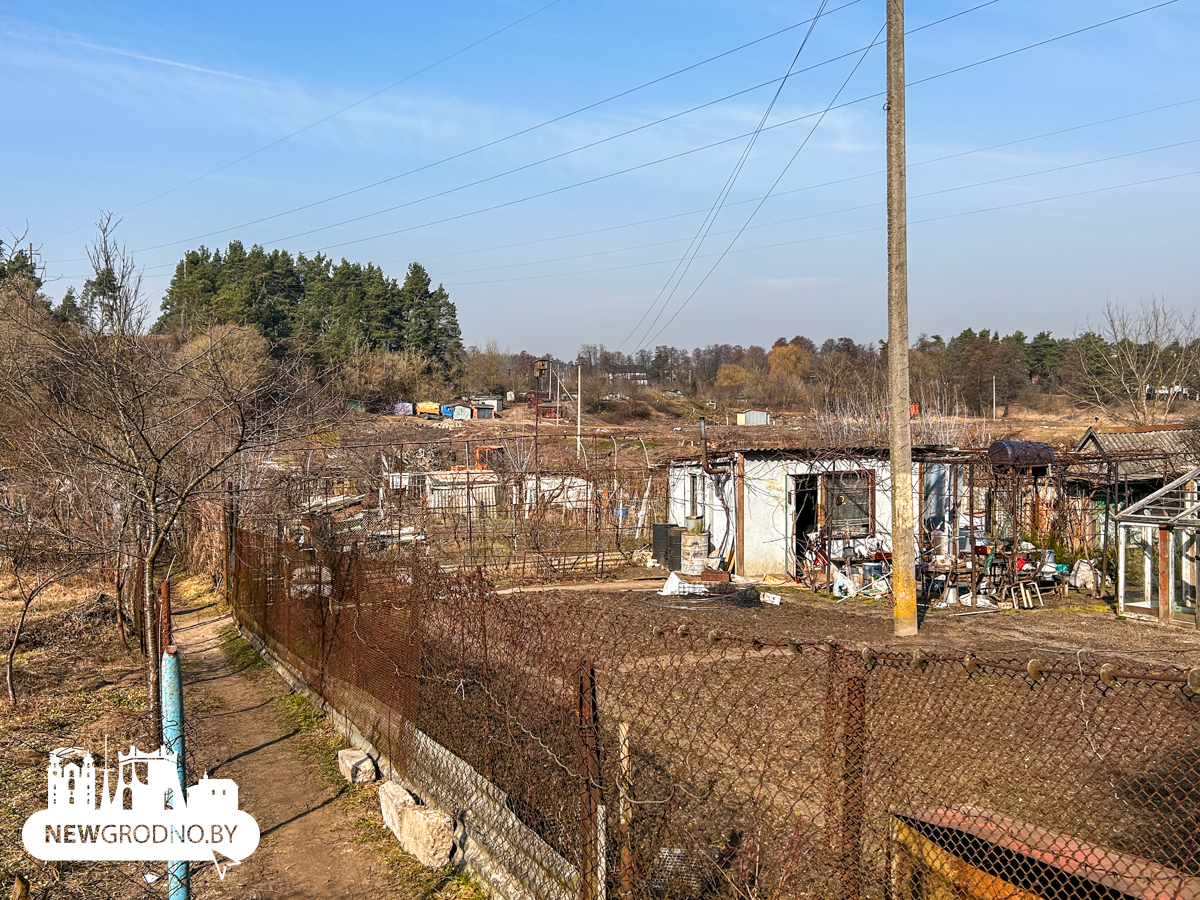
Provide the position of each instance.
(356, 766)
(422, 831)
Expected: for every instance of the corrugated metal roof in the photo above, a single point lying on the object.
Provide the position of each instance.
(1167, 449)
(1144, 438)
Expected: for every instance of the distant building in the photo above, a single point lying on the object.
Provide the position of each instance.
(1150, 454)
(780, 509)
(754, 417)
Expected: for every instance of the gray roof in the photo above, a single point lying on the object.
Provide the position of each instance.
(1157, 450)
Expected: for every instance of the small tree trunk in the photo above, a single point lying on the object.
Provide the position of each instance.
(118, 586)
(151, 636)
(12, 650)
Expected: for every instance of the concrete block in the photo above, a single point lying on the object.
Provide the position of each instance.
(422, 831)
(356, 766)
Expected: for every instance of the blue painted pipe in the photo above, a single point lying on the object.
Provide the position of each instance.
(179, 885)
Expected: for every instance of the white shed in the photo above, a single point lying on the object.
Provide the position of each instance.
(774, 510)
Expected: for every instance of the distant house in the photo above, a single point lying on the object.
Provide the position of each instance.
(494, 401)
(460, 492)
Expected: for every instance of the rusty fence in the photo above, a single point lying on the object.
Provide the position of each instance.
(594, 746)
(519, 511)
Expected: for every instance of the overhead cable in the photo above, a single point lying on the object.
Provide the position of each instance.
(754, 212)
(519, 133)
(674, 156)
(710, 218)
(824, 237)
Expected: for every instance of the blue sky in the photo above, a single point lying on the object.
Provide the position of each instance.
(120, 105)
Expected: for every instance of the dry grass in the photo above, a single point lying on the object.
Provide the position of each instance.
(76, 687)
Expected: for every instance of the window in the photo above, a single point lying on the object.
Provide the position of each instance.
(850, 503)
(693, 491)
(414, 487)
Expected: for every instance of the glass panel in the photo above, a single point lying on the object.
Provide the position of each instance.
(1135, 550)
(1183, 599)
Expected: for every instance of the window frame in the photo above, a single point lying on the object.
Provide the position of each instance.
(829, 483)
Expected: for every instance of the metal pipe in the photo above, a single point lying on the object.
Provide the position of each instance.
(178, 879)
(704, 452)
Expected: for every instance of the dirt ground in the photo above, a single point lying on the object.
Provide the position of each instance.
(1081, 622)
(310, 845)
(76, 686)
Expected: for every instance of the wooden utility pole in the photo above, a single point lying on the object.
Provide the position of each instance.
(904, 583)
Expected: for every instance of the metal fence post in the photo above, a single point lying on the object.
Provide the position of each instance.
(178, 879)
(227, 543)
(591, 885)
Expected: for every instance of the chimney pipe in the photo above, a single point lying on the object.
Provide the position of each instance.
(704, 452)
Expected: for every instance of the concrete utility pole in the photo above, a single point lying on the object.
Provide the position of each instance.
(904, 582)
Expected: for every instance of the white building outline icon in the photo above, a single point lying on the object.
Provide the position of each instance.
(146, 783)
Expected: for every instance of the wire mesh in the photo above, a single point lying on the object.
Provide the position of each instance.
(646, 752)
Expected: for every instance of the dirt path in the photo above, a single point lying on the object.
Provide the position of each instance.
(308, 846)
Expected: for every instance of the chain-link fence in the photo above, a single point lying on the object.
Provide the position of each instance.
(621, 747)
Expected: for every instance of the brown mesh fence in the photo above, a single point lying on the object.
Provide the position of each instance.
(600, 745)
(519, 510)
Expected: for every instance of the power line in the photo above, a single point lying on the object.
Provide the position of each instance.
(519, 133)
(903, 87)
(710, 220)
(860, 231)
(777, 195)
(711, 216)
(596, 143)
(781, 124)
(754, 212)
(822, 237)
(714, 144)
(846, 209)
(810, 187)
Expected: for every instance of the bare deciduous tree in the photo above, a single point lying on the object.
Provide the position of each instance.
(154, 424)
(1137, 362)
(38, 552)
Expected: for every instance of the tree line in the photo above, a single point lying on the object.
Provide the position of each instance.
(1141, 364)
(312, 307)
